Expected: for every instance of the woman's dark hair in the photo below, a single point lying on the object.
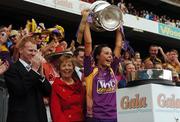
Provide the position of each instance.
(97, 51)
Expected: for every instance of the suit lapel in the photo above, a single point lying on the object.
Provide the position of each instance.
(75, 76)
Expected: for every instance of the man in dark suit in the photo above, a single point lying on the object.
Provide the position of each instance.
(79, 62)
(27, 85)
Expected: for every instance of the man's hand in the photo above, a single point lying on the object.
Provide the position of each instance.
(37, 61)
(3, 67)
(159, 48)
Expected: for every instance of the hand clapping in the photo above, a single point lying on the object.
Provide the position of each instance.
(37, 61)
(3, 67)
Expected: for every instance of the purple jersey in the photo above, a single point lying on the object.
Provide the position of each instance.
(103, 90)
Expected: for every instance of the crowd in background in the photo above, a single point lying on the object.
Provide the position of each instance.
(47, 57)
(129, 8)
(52, 40)
(152, 16)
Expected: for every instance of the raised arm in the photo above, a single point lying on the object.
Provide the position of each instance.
(163, 54)
(87, 35)
(87, 40)
(118, 43)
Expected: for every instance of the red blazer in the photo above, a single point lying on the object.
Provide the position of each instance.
(67, 101)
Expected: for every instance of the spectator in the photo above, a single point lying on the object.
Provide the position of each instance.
(177, 23)
(4, 51)
(158, 66)
(151, 16)
(122, 6)
(153, 52)
(156, 18)
(148, 64)
(126, 57)
(68, 94)
(138, 64)
(173, 24)
(79, 62)
(13, 38)
(137, 55)
(26, 85)
(130, 8)
(129, 68)
(173, 60)
(147, 15)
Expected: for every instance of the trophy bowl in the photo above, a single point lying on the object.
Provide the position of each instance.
(105, 17)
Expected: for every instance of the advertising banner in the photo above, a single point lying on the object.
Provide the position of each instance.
(134, 104)
(148, 103)
(166, 103)
(169, 31)
(71, 6)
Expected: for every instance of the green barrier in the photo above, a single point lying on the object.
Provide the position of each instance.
(169, 31)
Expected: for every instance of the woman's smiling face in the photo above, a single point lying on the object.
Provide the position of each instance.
(66, 68)
(105, 57)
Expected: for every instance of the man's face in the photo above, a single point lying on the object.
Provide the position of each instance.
(14, 39)
(80, 58)
(173, 56)
(28, 52)
(153, 51)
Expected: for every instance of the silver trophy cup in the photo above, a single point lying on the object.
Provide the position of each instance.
(105, 17)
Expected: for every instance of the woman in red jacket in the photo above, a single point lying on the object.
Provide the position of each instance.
(68, 94)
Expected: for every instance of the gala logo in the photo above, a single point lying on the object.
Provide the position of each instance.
(168, 102)
(133, 103)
